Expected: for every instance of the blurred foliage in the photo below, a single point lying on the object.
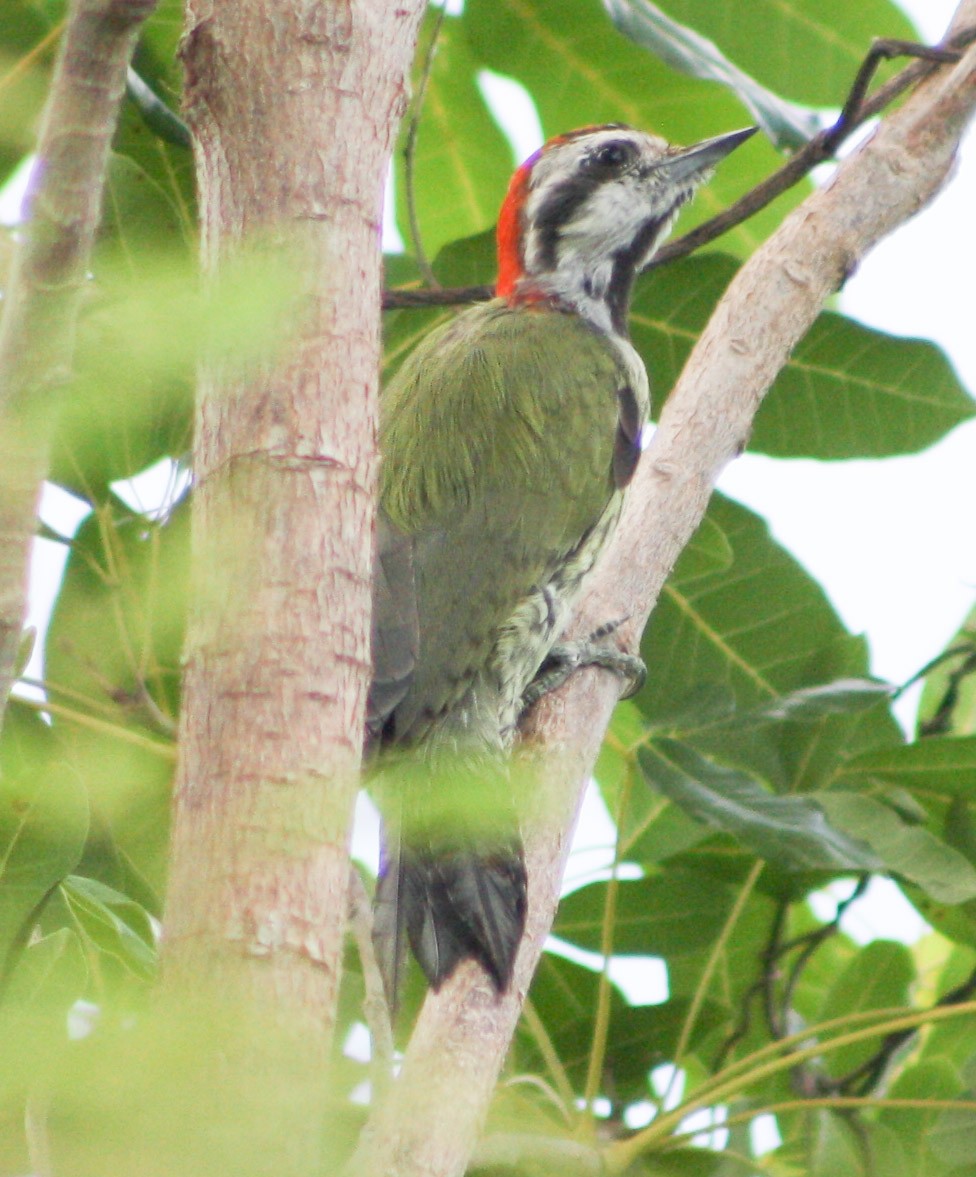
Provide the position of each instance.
(759, 764)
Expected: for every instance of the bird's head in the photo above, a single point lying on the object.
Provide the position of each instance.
(586, 213)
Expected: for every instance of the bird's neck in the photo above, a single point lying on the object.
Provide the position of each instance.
(582, 276)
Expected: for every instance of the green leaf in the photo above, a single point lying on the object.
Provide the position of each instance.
(789, 830)
(928, 1080)
(758, 630)
(906, 850)
(157, 62)
(754, 625)
(833, 1146)
(948, 703)
(707, 552)
(808, 704)
(940, 767)
(139, 340)
(26, 75)
(852, 392)
(683, 49)
(43, 826)
(952, 1138)
(139, 212)
(848, 391)
(113, 649)
(564, 994)
(114, 925)
(776, 40)
(462, 162)
(878, 977)
(50, 974)
(672, 913)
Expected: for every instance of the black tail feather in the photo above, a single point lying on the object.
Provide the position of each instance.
(453, 904)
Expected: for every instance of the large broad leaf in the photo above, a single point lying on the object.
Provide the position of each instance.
(130, 402)
(791, 831)
(43, 824)
(848, 391)
(25, 70)
(707, 552)
(939, 767)
(580, 70)
(775, 41)
(564, 995)
(114, 927)
(142, 332)
(753, 625)
(113, 656)
(880, 976)
(953, 1137)
(757, 631)
(51, 973)
(845, 696)
(461, 161)
(913, 1126)
(831, 1147)
(907, 850)
(672, 913)
(684, 49)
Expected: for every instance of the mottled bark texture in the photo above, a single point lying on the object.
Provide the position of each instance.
(294, 107)
(462, 1033)
(43, 291)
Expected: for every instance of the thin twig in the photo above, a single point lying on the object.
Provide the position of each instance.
(409, 151)
(157, 116)
(375, 1008)
(882, 49)
(601, 1017)
(550, 1056)
(165, 751)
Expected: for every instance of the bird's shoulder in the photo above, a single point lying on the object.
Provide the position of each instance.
(502, 394)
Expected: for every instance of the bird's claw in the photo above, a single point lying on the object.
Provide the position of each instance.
(567, 657)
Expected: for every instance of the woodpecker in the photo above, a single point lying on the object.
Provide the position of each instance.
(507, 439)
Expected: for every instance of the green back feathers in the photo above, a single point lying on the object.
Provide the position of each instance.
(499, 399)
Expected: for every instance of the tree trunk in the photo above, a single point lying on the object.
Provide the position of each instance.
(294, 108)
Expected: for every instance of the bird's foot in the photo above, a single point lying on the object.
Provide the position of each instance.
(565, 658)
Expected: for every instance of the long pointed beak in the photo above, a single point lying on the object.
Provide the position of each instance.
(688, 162)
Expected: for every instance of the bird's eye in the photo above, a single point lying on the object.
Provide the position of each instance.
(612, 156)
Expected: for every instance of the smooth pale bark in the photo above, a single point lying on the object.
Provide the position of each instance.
(43, 291)
(463, 1032)
(294, 110)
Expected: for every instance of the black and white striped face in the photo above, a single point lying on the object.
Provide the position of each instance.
(599, 203)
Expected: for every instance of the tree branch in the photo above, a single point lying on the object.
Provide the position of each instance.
(463, 1032)
(48, 274)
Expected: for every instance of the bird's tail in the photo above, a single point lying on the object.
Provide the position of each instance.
(451, 901)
